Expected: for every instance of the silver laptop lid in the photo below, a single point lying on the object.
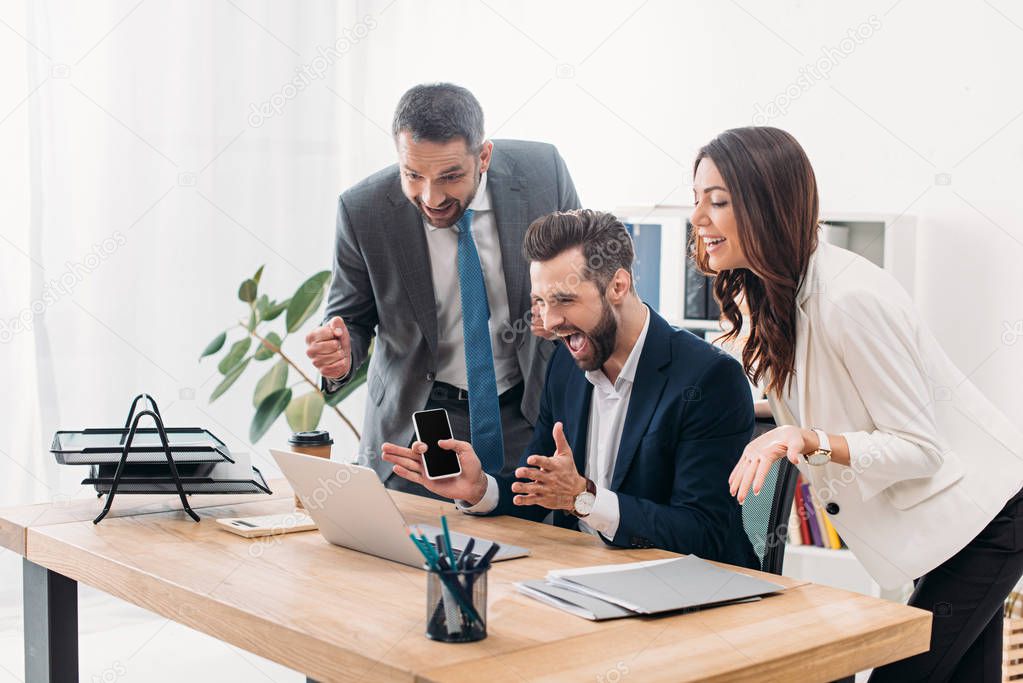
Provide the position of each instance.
(350, 506)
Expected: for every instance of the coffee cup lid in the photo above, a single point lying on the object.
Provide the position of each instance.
(317, 438)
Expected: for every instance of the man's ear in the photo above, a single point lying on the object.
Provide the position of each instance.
(620, 286)
(486, 154)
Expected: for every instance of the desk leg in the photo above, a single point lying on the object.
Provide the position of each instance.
(51, 625)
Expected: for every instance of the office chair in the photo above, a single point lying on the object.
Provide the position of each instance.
(765, 516)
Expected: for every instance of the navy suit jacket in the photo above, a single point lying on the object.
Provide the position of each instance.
(690, 416)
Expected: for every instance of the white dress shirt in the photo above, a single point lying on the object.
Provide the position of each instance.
(608, 407)
(443, 247)
(443, 250)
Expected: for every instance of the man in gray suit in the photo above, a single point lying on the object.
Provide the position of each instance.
(428, 258)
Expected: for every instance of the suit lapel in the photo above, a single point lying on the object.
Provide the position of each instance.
(577, 418)
(800, 360)
(506, 194)
(810, 285)
(646, 394)
(409, 240)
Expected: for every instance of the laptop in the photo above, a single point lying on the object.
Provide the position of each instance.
(352, 509)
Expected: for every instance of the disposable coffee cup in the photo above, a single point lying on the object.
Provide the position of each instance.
(316, 444)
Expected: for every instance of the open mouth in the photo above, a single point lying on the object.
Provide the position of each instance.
(576, 342)
(712, 244)
(444, 212)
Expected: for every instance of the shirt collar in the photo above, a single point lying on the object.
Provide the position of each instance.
(628, 374)
(481, 202)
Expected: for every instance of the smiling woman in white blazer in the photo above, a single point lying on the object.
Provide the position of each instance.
(919, 472)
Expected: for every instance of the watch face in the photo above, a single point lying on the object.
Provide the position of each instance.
(584, 503)
(819, 457)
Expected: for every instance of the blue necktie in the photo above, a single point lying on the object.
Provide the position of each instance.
(484, 408)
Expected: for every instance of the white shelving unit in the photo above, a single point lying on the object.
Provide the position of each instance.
(837, 568)
(887, 240)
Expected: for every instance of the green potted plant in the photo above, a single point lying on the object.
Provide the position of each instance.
(273, 394)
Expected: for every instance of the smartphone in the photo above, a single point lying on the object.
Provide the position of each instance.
(433, 426)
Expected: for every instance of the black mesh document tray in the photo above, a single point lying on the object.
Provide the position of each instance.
(158, 459)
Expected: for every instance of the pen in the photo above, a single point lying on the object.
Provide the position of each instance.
(445, 553)
(422, 549)
(447, 540)
(466, 557)
(484, 562)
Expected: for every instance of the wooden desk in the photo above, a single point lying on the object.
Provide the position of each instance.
(338, 615)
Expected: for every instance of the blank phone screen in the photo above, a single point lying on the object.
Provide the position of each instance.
(433, 427)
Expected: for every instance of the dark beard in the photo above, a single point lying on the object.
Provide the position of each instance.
(602, 339)
(461, 207)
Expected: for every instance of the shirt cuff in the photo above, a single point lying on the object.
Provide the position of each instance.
(605, 515)
(333, 385)
(489, 500)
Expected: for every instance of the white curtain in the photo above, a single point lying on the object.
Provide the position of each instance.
(152, 156)
(166, 151)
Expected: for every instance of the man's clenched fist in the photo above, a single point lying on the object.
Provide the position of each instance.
(330, 349)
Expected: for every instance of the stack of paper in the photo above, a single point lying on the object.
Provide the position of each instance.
(624, 590)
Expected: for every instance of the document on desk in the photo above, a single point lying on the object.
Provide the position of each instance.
(682, 583)
(573, 602)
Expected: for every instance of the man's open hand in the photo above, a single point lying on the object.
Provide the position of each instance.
(554, 481)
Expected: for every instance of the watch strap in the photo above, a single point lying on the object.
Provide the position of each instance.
(822, 437)
(591, 488)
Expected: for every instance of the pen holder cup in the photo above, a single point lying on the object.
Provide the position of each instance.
(456, 605)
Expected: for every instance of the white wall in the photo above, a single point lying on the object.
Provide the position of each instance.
(925, 93)
(628, 91)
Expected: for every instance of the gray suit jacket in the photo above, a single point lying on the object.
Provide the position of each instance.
(382, 285)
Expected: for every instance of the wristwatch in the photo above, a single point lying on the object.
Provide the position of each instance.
(583, 504)
(821, 456)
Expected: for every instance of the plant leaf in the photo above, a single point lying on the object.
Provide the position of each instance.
(304, 412)
(306, 300)
(262, 353)
(229, 379)
(214, 346)
(259, 274)
(275, 309)
(268, 411)
(253, 320)
(262, 304)
(247, 291)
(234, 356)
(274, 380)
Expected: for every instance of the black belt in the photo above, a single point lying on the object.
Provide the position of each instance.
(442, 391)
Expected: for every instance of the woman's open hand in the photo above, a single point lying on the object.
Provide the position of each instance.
(761, 453)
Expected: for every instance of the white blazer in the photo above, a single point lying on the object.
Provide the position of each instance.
(932, 460)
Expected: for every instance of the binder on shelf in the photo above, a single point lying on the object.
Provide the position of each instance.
(804, 525)
(158, 459)
(809, 523)
(829, 533)
(811, 516)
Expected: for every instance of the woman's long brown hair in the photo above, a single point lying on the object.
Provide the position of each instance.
(774, 197)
